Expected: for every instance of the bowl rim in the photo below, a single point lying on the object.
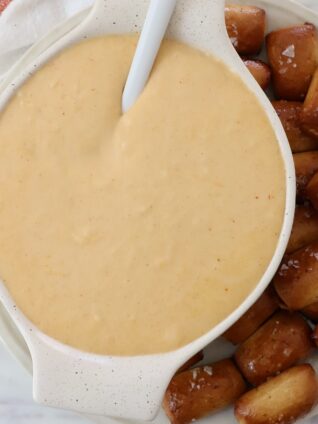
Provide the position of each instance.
(45, 44)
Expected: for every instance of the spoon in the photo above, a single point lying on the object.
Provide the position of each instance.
(154, 29)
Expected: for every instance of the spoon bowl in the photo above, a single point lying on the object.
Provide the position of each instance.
(132, 387)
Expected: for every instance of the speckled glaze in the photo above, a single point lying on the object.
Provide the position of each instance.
(132, 387)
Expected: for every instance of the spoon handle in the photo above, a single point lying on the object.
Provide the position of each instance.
(154, 29)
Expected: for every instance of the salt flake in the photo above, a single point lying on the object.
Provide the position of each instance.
(234, 41)
(289, 52)
(208, 370)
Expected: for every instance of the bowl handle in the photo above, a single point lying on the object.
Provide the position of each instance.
(124, 387)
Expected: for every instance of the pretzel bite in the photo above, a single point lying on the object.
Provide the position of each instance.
(246, 28)
(260, 71)
(311, 312)
(289, 114)
(196, 393)
(311, 191)
(262, 309)
(309, 113)
(296, 281)
(4, 4)
(305, 228)
(306, 165)
(277, 345)
(283, 399)
(192, 361)
(293, 56)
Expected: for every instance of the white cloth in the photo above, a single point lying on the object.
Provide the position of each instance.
(25, 21)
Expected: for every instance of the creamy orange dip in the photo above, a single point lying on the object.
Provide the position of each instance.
(137, 233)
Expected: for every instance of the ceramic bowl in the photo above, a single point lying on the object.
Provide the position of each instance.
(132, 387)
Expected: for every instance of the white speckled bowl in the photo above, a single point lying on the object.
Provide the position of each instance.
(132, 387)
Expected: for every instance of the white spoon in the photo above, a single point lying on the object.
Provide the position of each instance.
(154, 29)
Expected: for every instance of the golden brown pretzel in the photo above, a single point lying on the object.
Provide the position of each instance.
(262, 309)
(296, 281)
(260, 71)
(293, 56)
(196, 393)
(289, 114)
(306, 165)
(282, 399)
(246, 28)
(276, 346)
(309, 114)
(305, 228)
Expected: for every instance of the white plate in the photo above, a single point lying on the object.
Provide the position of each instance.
(280, 13)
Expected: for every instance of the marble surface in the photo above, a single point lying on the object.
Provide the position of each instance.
(16, 404)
